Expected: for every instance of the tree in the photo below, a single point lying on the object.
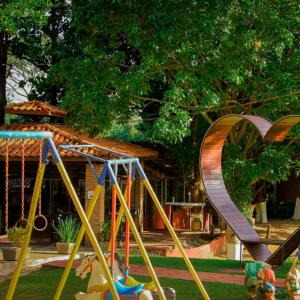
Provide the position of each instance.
(190, 62)
(16, 16)
(46, 46)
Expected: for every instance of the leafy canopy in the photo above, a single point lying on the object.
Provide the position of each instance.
(179, 66)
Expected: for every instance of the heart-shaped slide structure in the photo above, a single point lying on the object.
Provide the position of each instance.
(211, 170)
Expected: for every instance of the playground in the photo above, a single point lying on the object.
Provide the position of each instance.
(220, 277)
(149, 150)
(111, 276)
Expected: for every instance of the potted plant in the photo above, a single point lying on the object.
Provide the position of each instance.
(66, 229)
(15, 236)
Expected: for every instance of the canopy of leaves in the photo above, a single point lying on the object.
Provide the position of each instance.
(16, 15)
(207, 55)
(179, 64)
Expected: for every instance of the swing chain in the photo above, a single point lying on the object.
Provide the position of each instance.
(40, 163)
(6, 184)
(22, 220)
(23, 182)
(39, 215)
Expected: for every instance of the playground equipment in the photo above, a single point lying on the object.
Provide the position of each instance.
(6, 184)
(39, 215)
(98, 287)
(120, 275)
(133, 167)
(293, 278)
(22, 221)
(259, 279)
(211, 169)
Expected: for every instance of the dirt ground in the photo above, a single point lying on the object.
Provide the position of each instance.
(279, 230)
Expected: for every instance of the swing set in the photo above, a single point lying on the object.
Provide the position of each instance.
(132, 167)
(22, 222)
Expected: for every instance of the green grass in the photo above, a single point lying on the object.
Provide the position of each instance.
(41, 285)
(207, 265)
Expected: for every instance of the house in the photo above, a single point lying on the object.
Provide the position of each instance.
(54, 196)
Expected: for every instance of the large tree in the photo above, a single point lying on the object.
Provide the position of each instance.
(183, 64)
(16, 17)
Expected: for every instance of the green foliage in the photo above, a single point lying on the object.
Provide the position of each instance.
(203, 56)
(16, 235)
(272, 164)
(177, 66)
(67, 229)
(128, 132)
(104, 230)
(173, 124)
(16, 14)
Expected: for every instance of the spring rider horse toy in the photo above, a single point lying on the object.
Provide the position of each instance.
(119, 272)
(98, 288)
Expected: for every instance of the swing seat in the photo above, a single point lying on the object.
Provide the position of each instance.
(125, 291)
(130, 281)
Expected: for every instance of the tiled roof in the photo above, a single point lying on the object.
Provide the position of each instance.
(35, 107)
(65, 135)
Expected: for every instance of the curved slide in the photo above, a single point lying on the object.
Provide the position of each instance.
(211, 170)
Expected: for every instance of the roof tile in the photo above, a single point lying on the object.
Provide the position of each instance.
(35, 107)
(65, 135)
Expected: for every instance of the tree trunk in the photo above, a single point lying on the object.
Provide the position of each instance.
(296, 215)
(251, 208)
(234, 247)
(261, 212)
(3, 62)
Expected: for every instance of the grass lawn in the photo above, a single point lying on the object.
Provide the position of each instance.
(207, 265)
(41, 285)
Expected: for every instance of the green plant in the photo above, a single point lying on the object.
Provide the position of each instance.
(16, 235)
(67, 229)
(104, 230)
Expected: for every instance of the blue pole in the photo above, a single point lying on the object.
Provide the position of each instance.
(11, 134)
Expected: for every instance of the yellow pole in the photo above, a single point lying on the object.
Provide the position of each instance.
(80, 235)
(140, 243)
(118, 223)
(119, 220)
(32, 211)
(88, 228)
(176, 240)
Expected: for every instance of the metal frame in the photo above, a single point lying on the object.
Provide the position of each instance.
(136, 167)
(122, 159)
(50, 147)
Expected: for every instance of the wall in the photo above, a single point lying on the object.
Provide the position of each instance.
(90, 185)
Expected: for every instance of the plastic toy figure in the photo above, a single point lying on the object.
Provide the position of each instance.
(293, 284)
(260, 281)
(293, 279)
